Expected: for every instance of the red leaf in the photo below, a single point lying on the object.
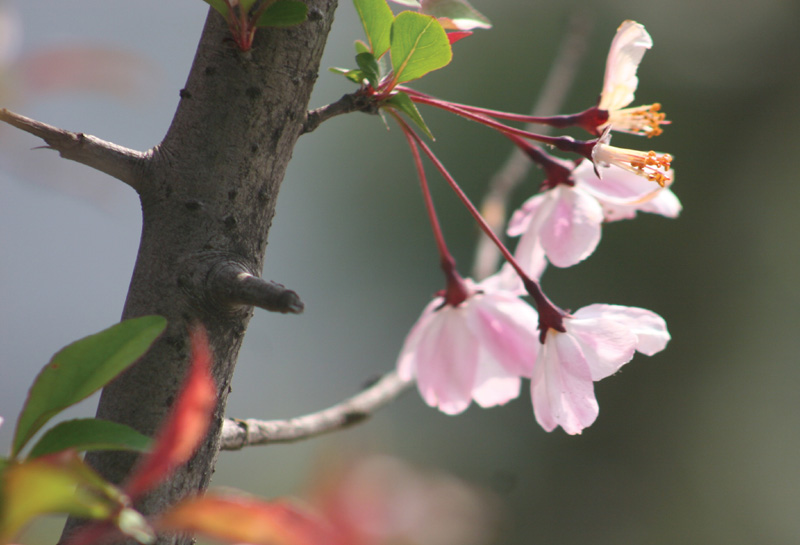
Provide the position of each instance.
(185, 427)
(459, 35)
(242, 519)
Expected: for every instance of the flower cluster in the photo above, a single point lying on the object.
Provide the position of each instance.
(476, 341)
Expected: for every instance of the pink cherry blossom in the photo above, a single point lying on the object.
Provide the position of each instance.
(564, 223)
(599, 339)
(476, 350)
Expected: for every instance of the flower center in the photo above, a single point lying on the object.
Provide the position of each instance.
(644, 120)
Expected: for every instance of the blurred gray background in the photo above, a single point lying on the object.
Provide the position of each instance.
(699, 444)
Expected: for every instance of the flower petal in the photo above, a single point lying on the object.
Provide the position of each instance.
(407, 361)
(649, 328)
(571, 231)
(617, 186)
(521, 218)
(561, 388)
(494, 385)
(606, 344)
(627, 50)
(507, 328)
(447, 358)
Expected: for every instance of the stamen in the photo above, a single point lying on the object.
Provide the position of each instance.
(650, 165)
(644, 120)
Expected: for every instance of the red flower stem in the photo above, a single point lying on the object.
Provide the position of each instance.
(587, 119)
(563, 143)
(550, 316)
(456, 291)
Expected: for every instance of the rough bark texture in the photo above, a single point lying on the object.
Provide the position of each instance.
(208, 195)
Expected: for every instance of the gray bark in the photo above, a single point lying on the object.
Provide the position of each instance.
(208, 195)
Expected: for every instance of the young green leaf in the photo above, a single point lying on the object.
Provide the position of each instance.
(377, 17)
(402, 102)
(220, 6)
(369, 66)
(283, 13)
(361, 47)
(245, 5)
(89, 434)
(456, 14)
(60, 483)
(356, 76)
(81, 369)
(419, 45)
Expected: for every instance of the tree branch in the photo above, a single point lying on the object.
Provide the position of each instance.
(237, 434)
(232, 284)
(121, 163)
(354, 102)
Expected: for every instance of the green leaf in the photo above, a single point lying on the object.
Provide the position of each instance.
(402, 102)
(82, 368)
(283, 13)
(356, 76)
(457, 14)
(60, 483)
(377, 18)
(361, 47)
(220, 6)
(245, 5)
(409, 3)
(369, 66)
(89, 434)
(419, 45)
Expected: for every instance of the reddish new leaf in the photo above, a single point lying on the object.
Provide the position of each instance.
(458, 35)
(242, 519)
(186, 425)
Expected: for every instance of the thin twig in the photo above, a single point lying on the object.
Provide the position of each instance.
(121, 163)
(354, 102)
(557, 84)
(237, 434)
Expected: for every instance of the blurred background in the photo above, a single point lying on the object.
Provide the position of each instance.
(698, 444)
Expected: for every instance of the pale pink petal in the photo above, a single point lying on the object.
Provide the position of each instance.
(447, 360)
(494, 385)
(612, 212)
(407, 361)
(521, 219)
(617, 186)
(606, 344)
(571, 230)
(649, 328)
(627, 49)
(665, 204)
(530, 255)
(507, 328)
(561, 388)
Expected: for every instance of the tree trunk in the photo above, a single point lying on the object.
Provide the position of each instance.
(208, 195)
